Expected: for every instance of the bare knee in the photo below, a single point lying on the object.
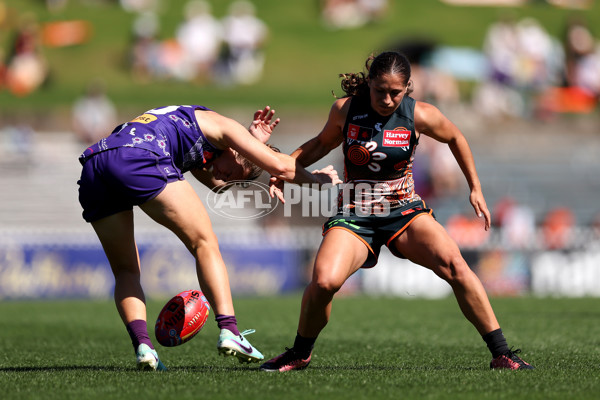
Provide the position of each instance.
(326, 284)
(326, 287)
(204, 246)
(454, 270)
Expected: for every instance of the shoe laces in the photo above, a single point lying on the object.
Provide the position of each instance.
(511, 351)
(246, 332)
(512, 354)
(291, 354)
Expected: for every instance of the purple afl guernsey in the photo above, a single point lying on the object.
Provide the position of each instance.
(378, 155)
(169, 131)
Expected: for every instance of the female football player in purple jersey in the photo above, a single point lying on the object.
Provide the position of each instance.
(141, 163)
(378, 125)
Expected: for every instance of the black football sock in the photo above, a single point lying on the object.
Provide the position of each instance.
(496, 342)
(303, 345)
(227, 322)
(138, 332)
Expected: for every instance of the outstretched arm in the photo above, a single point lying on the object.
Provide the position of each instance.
(329, 138)
(225, 133)
(431, 122)
(263, 124)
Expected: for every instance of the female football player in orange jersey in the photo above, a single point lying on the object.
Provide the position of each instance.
(378, 125)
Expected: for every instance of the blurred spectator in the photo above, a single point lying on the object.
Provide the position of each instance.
(579, 90)
(348, 14)
(587, 73)
(144, 48)
(431, 83)
(374, 9)
(535, 53)
(517, 223)
(94, 115)
(199, 36)
(140, 6)
(342, 14)
(582, 57)
(26, 67)
(245, 36)
(558, 227)
(524, 60)
(190, 55)
(578, 42)
(501, 46)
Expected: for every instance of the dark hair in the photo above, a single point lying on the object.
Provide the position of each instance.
(386, 63)
(254, 169)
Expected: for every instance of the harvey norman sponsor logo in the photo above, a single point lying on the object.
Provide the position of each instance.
(396, 138)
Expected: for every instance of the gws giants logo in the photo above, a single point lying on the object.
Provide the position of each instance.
(399, 137)
(241, 200)
(356, 132)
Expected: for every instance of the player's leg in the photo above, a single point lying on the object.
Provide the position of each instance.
(179, 208)
(427, 243)
(116, 236)
(341, 254)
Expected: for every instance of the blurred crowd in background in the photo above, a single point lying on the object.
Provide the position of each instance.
(229, 51)
(520, 71)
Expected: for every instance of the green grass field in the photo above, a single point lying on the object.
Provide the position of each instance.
(374, 348)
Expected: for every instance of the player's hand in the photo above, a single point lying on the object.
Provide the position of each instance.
(481, 209)
(263, 124)
(327, 176)
(276, 188)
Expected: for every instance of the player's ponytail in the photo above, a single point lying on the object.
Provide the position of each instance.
(386, 63)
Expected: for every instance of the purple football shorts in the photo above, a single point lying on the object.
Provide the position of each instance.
(116, 180)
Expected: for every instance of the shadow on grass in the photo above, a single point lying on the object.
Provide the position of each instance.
(208, 368)
(333, 368)
(63, 368)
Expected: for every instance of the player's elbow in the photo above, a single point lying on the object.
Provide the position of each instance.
(284, 167)
(285, 172)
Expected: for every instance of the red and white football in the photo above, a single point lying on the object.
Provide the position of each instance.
(181, 318)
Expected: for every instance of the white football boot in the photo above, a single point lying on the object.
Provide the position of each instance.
(147, 359)
(238, 346)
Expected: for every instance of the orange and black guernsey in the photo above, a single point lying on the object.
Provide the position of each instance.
(378, 156)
